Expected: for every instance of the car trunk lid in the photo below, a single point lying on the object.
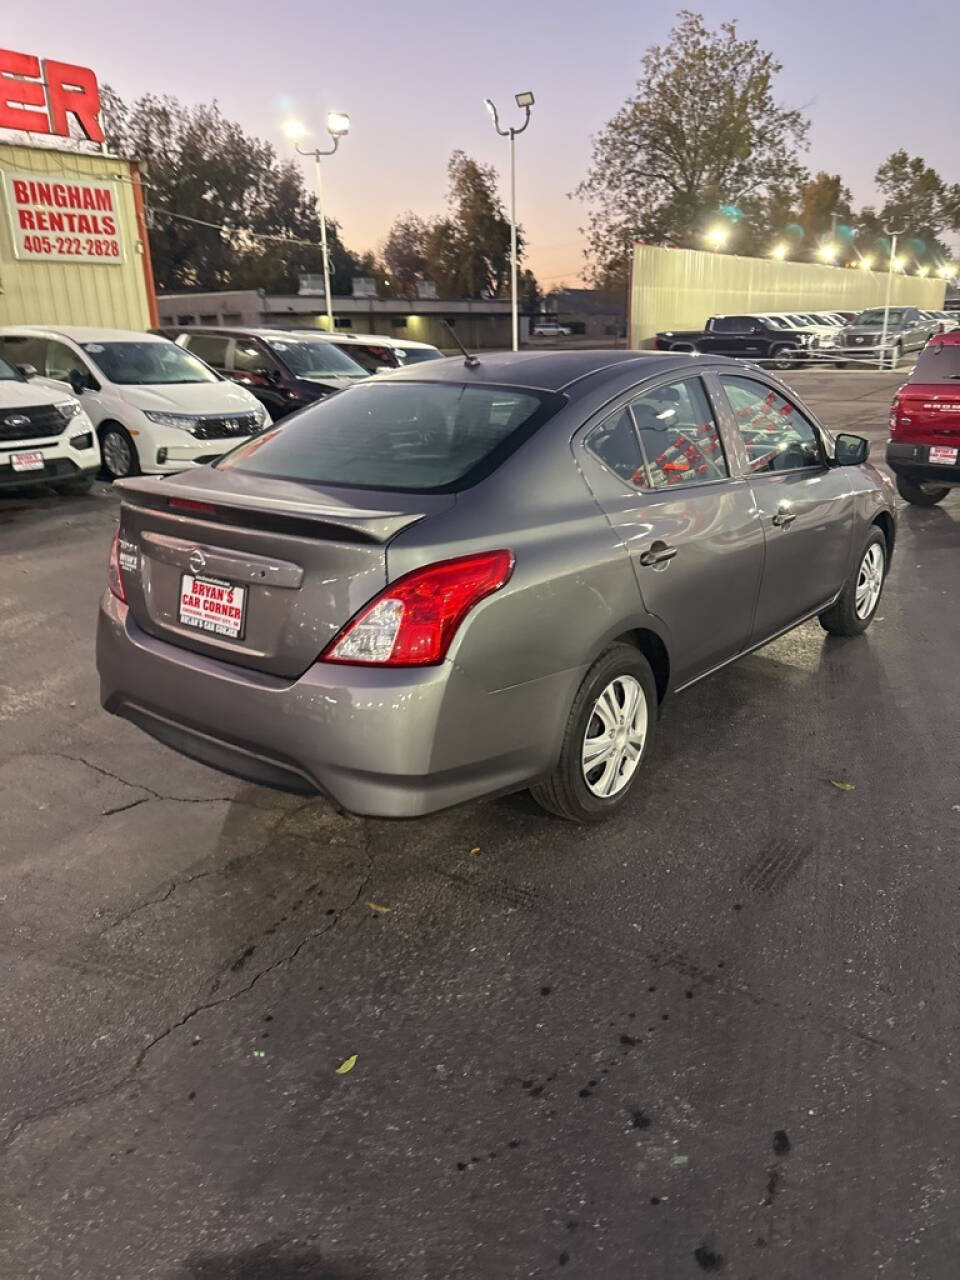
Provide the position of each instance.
(927, 413)
(258, 572)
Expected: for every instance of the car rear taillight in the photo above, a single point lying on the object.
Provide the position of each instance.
(412, 622)
(114, 581)
(189, 507)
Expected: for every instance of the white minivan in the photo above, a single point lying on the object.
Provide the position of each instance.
(156, 408)
(45, 436)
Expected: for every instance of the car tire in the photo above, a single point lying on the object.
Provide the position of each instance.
(920, 495)
(574, 790)
(118, 451)
(74, 486)
(780, 360)
(857, 604)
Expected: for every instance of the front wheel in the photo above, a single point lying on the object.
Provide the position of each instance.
(608, 734)
(921, 495)
(858, 601)
(119, 453)
(783, 357)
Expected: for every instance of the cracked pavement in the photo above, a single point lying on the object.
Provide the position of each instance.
(717, 1035)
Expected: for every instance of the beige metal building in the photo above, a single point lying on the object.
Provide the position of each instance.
(681, 288)
(73, 242)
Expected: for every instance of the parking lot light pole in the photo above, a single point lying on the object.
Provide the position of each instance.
(886, 306)
(338, 124)
(524, 100)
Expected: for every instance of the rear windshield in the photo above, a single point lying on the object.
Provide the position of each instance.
(407, 436)
(939, 362)
(417, 355)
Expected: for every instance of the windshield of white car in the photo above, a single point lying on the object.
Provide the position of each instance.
(315, 359)
(8, 373)
(131, 364)
(408, 436)
(873, 319)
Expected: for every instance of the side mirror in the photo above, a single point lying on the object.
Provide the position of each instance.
(269, 375)
(28, 370)
(78, 382)
(851, 451)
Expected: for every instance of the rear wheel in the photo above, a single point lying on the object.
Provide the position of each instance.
(607, 737)
(921, 495)
(858, 601)
(118, 451)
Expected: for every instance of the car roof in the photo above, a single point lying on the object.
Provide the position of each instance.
(83, 333)
(553, 370)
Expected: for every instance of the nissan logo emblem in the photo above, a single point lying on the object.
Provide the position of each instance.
(16, 420)
(198, 560)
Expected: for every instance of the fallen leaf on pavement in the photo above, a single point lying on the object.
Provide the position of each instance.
(348, 1065)
(375, 906)
(475, 849)
(842, 786)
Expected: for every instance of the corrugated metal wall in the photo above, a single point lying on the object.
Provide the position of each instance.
(68, 292)
(681, 288)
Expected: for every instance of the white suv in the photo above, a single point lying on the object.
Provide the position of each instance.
(45, 436)
(156, 408)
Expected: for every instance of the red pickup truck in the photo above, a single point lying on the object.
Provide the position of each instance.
(924, 447)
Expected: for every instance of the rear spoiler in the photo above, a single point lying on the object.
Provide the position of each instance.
(290, 515)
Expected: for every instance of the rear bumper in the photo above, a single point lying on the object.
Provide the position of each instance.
(391, 743)
(910, 461)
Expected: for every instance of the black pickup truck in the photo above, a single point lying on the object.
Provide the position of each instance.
(747, 337)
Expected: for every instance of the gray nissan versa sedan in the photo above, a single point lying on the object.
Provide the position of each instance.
(473, 577)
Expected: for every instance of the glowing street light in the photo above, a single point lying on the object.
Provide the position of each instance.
(866, 262)
(338, 125)
(779, 251)
(947, 271)
(828, 253)
(923, 270)
(717, 236)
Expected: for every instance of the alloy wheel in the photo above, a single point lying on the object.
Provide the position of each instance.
(117, 454)
(869, 580)
(615, 737)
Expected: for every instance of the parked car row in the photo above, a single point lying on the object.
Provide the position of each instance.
(786, 339)
(74, 400)
(924, 447)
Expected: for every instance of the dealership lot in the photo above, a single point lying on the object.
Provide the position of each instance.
(721, 1027)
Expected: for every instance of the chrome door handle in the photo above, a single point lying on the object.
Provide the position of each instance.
(658, 553)
(784, 518)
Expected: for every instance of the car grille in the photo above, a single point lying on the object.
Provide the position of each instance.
(43, 421)
(221, 428)
(861, 339)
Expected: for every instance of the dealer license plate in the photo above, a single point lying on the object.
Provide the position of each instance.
(209, 604)
(32, 461)
(941, 453)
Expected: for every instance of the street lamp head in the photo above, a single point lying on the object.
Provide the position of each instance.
(487, 102)
(524, 99)
(294, 130)
(866, 262)
(827, 253)
(923, 270)
(338, 123)
(717, 236)
(779, 252)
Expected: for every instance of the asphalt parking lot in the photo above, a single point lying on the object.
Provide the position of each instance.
(715, 1036)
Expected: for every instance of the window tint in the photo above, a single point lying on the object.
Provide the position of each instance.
(776, 434)
(939, 362)
(406, 436)
(25, 349)
(678, 435)
(369, 358)
(615, 444)
(249, 358)
(209, 348)
(417, 355)
(732, 324)
(61, 360)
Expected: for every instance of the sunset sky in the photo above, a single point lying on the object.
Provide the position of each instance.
(871, 75)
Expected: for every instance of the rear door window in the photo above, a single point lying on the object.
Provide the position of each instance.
(679, 437)
(406, 436)
(776, 435)
(250, 357)
(61, 361)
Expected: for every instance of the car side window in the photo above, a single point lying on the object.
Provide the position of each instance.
(210, 348)
(679, 436)
(776, 435)
(22, 348)
(614, 443)
(248, 357)
(61, 362)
